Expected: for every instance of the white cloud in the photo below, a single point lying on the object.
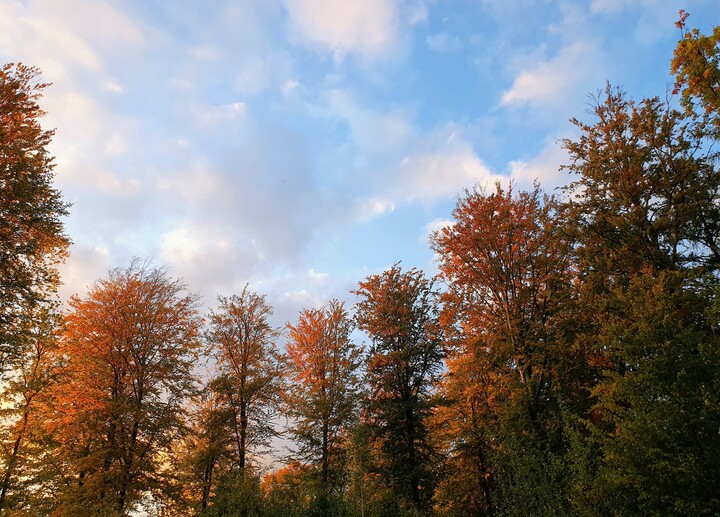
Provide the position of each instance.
(434, 226)
(373, 207)
(318, 277)
(196, 183)
(182, 247)
(416, 12)
(289, 87)
(258, 72)
(85, 265)
(210, 255)
(59, 35)
(367, 27)
(543, 167)
(293, 302)
(205, 53)
(112, 87)
(606, 6)
(218, 115)
(550, 82)
(443, 164)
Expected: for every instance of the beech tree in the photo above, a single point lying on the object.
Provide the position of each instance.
(32, 238)
(249, 371)
(398, 310)
(507, 308)
(322, 399)
(128, 348)
(644, 211)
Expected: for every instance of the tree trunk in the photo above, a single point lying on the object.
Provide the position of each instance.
(14, 456)
(207, 484)
(412, 454)
(325, 466)
(243, 432)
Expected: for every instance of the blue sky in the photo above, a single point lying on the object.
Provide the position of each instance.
(300, 145)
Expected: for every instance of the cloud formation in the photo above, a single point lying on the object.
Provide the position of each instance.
(300, 144)
(442, 165)
(367, 28)
(550, 82)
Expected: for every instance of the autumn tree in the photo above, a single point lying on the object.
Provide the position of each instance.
(249, 372)
(322, 397)
(32, 238)
(287, 491)
(507, 311)
(696, 66)
(644, 212)
(398, 310)
(202, 455)
(128, 348)
(34, 374)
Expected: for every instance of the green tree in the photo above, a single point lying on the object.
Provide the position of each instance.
(399, 312)
(32, 239)
(644, 212)
(204, 453)
(35, 373)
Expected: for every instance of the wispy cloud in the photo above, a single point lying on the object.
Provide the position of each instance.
(549, 82)
(443, 164)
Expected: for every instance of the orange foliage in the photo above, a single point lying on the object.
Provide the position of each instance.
(128, 349)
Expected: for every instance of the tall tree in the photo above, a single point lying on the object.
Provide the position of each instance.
(507, 308)
(128, 349)
(644, 211)
(323, 371)
(249, 370)
(398, 310)
(32, 239)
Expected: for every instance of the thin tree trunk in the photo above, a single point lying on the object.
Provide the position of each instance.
(412, 455)
(243, 432)
(325, 466)
(485, 484)
(14, 456)
(207, 484)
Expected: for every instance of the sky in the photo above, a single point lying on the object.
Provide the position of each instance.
(301, 145)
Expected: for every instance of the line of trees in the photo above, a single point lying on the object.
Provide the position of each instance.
(565, 360)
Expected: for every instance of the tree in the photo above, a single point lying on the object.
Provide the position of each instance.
(644, 212)
(34, 374)
(466, 432)
(286, 491)
(696, 66)
(398, 310)
(323, 393)
(507, 311)
(128, 349)
(647, 191)
(249, 371)
(32, 239)
(204, 453)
